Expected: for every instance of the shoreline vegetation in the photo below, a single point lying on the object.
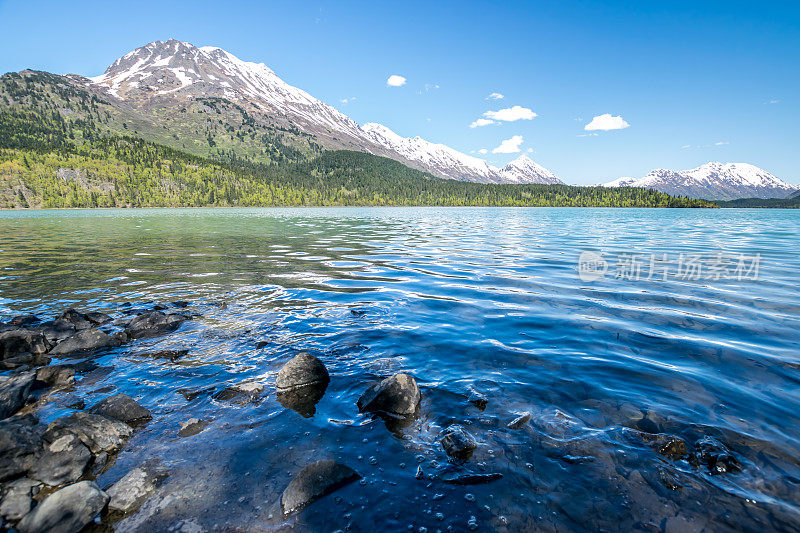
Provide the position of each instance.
(62, 146)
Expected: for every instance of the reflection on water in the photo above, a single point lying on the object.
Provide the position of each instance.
(471, 302)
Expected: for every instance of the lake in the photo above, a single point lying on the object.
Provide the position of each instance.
(615, 329)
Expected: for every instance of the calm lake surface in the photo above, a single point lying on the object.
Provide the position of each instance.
(472, 302)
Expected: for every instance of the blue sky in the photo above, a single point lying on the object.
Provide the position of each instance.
(695, 81)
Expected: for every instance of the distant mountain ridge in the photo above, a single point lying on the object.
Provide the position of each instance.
(163, 74)
(713, 181)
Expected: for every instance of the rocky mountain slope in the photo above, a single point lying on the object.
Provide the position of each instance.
(171, 81)
(713, 181)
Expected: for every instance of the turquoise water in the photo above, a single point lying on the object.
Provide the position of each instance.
(470, 301)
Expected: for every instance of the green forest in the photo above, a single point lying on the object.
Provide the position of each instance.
(63, 148)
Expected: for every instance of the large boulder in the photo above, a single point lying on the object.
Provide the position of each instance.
(18, 498)
(154, 323)
(123, 408)
(20, 446)
(396, 395)
(301, 383)
(14, 392)
(313, 482)
(56, 330)
(68, 510)
(20, 346)
(134, 488)
(458, 443)
(56, 376)
(87, 340)
(98, 433)
(63, 461)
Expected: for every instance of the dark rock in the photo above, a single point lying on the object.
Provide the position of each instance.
(457, 442)
(715, 455)
(17, 342)
(153, 323)
(419, 474)
(130, 492)
(478, 400)
(100, 464)
(98, 433)
(63, 461)
(66, 511)
(79, 320)
(303, 400)
(97, 318)
(241, 393)
(674, 448)
(56, 330)
(301, 371)
(20, 446)
(171, 355)
(261, 344)
(84, 341)
(313, 482)
(56, 376)
(191, 393)
(24, 321)
(472, 479)
(192, 427)
(123, 408)
(395, 395)
(520, 421)
(71, 401)
(18, 498)
(180, 304)
(14, 392)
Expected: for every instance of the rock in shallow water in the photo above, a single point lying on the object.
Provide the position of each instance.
(395, 395)
(154, 323)
(458, 443)
(18, 498)
(56, 376)
(715, 455)
(98, 433)
(20, 446)
(123, 408)
(520, 421)
(313, 482)
(241, 393)
(87, 340)
(16, 342)
(14, 392)
(130, 492)
(193, 426)
(66, 511)
(63, 461)
(302, 370)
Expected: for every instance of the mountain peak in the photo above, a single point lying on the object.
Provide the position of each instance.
(524, 170)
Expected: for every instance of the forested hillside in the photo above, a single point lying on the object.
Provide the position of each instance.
(61, 146)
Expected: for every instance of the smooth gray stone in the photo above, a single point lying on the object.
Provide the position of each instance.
(123, 408)
(66, 511)
(84, 341)
(130, 492)
(98, 433)
(397, 394)
(313, 482)
(63, 461)
(153, 323)
(192, 427)
(14, 392)
(18, 498)
(457, 442)
(301, 371)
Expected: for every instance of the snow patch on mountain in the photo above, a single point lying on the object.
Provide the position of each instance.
(524, 170)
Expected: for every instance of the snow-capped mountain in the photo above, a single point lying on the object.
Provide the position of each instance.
(713, 181)
(163, 72)
(524, 170)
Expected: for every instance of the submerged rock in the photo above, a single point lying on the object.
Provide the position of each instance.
(471, 479)
(14, 392)
(303, 400)
(18, 498)
(63, 461)
(123, 408)
(674, 448)
(98, 433)
(66, 511)
(20, 446)
(478, 399)
(313, 482)
(56, 376)
(715, 456)
(458, 443)
(130, 492)
(302, 371)
(154, 323)
(193, 426)
(520, 421)
(241, 393)
(396, 395)
(87, 340)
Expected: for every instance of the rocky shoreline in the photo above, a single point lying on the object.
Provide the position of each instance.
(48, 472)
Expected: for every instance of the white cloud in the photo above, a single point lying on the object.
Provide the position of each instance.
(348, 100)
(509, 146)
(482, 122)
(773, 101)
(483, 151)
(511, 114)
(606, 122)
(495, 96)
(685, 146)
(721, 143)
(395, 81)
